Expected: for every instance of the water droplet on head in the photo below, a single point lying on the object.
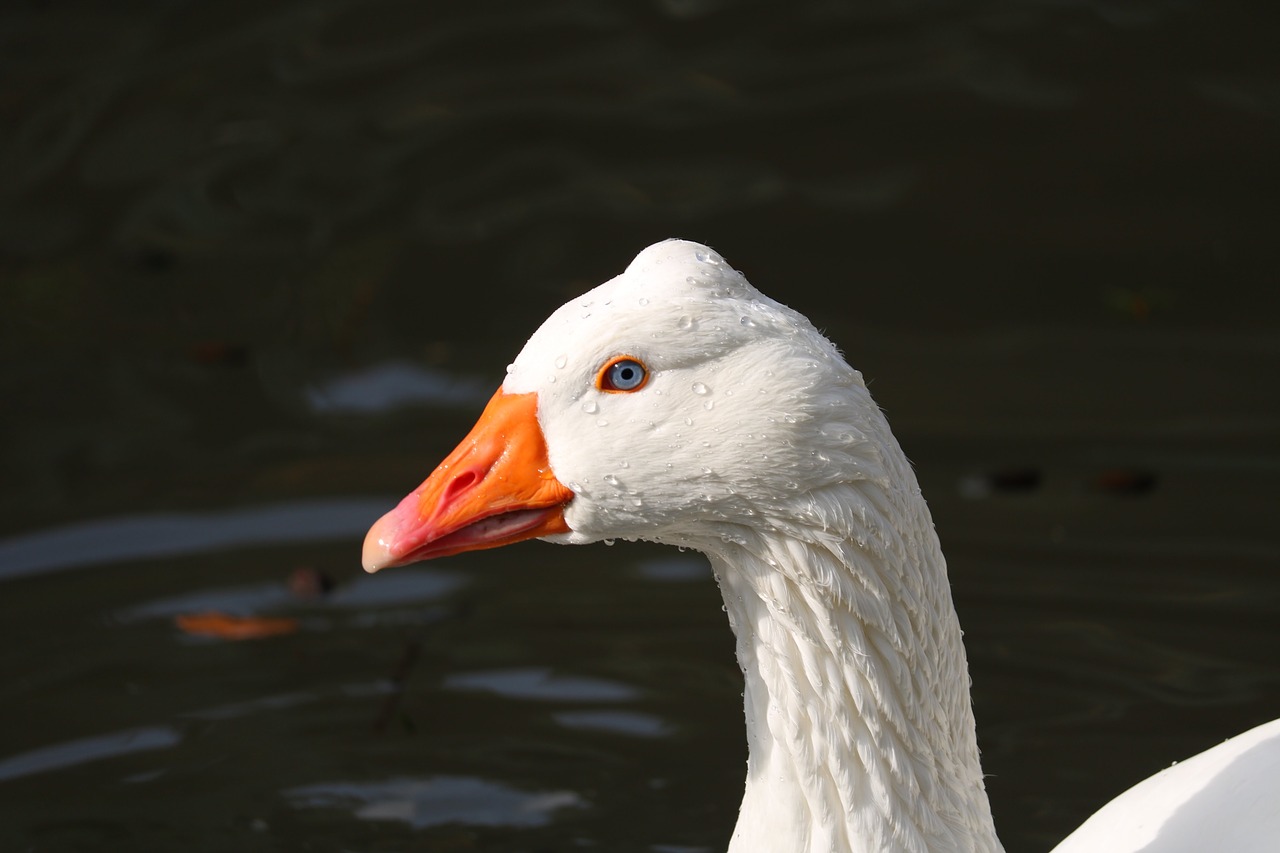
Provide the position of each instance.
(700, 389)
(561, 361)
(643, 300)
(590, 407)
(709, 405)
(747, 321)
(602, 422)
(688, 421)
(610, 479)
(609, 541)
(702, 258)
(511, 368)
(685, 322)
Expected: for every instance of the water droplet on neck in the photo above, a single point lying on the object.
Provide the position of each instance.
(511, 368)
(643, 301)
(685, 323)
(701, 389)
(747, 321)
(561, 361)
(610, 479)
(602, 422)
(709, 405)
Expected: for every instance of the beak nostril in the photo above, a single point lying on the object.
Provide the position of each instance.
(460, 484)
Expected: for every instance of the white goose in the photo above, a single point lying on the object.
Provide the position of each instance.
(677, 404)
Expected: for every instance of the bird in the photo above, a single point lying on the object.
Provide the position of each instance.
(676, 403)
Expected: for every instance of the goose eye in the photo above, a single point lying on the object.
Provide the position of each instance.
(622, 374)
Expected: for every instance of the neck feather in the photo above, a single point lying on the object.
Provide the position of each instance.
(859, 722)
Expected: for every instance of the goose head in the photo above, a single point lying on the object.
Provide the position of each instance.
(674, 403)
(677, 404)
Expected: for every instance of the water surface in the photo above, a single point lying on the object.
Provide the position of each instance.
(263, 264)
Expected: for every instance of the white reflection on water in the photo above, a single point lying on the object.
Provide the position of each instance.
(674, 569)
(148, 536)
(403, 587)
(438, 800)
(252, 707)
(633, 723)
(84, 750)
(393, 385)
(538, 683)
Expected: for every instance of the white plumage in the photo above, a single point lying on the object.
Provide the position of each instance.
(753, 442)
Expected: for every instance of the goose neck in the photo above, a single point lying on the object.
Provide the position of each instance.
(859, 725)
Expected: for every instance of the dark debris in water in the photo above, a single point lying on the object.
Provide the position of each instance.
(1126, 482)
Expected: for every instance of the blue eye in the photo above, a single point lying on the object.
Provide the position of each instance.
(622, 374)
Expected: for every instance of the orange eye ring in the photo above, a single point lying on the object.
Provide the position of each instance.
(622, 374)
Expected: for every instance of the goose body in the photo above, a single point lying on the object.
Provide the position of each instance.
(675, 403)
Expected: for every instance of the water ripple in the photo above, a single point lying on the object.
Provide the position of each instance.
(437, 800)
(538, 683)
(82, 751)
(150, 536)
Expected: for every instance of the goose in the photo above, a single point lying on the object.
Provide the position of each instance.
(675, 403)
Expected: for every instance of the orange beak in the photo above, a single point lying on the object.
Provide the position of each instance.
(495, 488)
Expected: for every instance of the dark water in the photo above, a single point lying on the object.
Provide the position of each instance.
(262, 263)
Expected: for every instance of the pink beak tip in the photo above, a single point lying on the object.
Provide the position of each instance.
(377, 553)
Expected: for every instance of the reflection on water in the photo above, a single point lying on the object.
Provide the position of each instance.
(160, 535)
(74, 753)
(616, 722)
(673, 569)
(438, 800)
(390, 386)
(540, 684)
(387, 589)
